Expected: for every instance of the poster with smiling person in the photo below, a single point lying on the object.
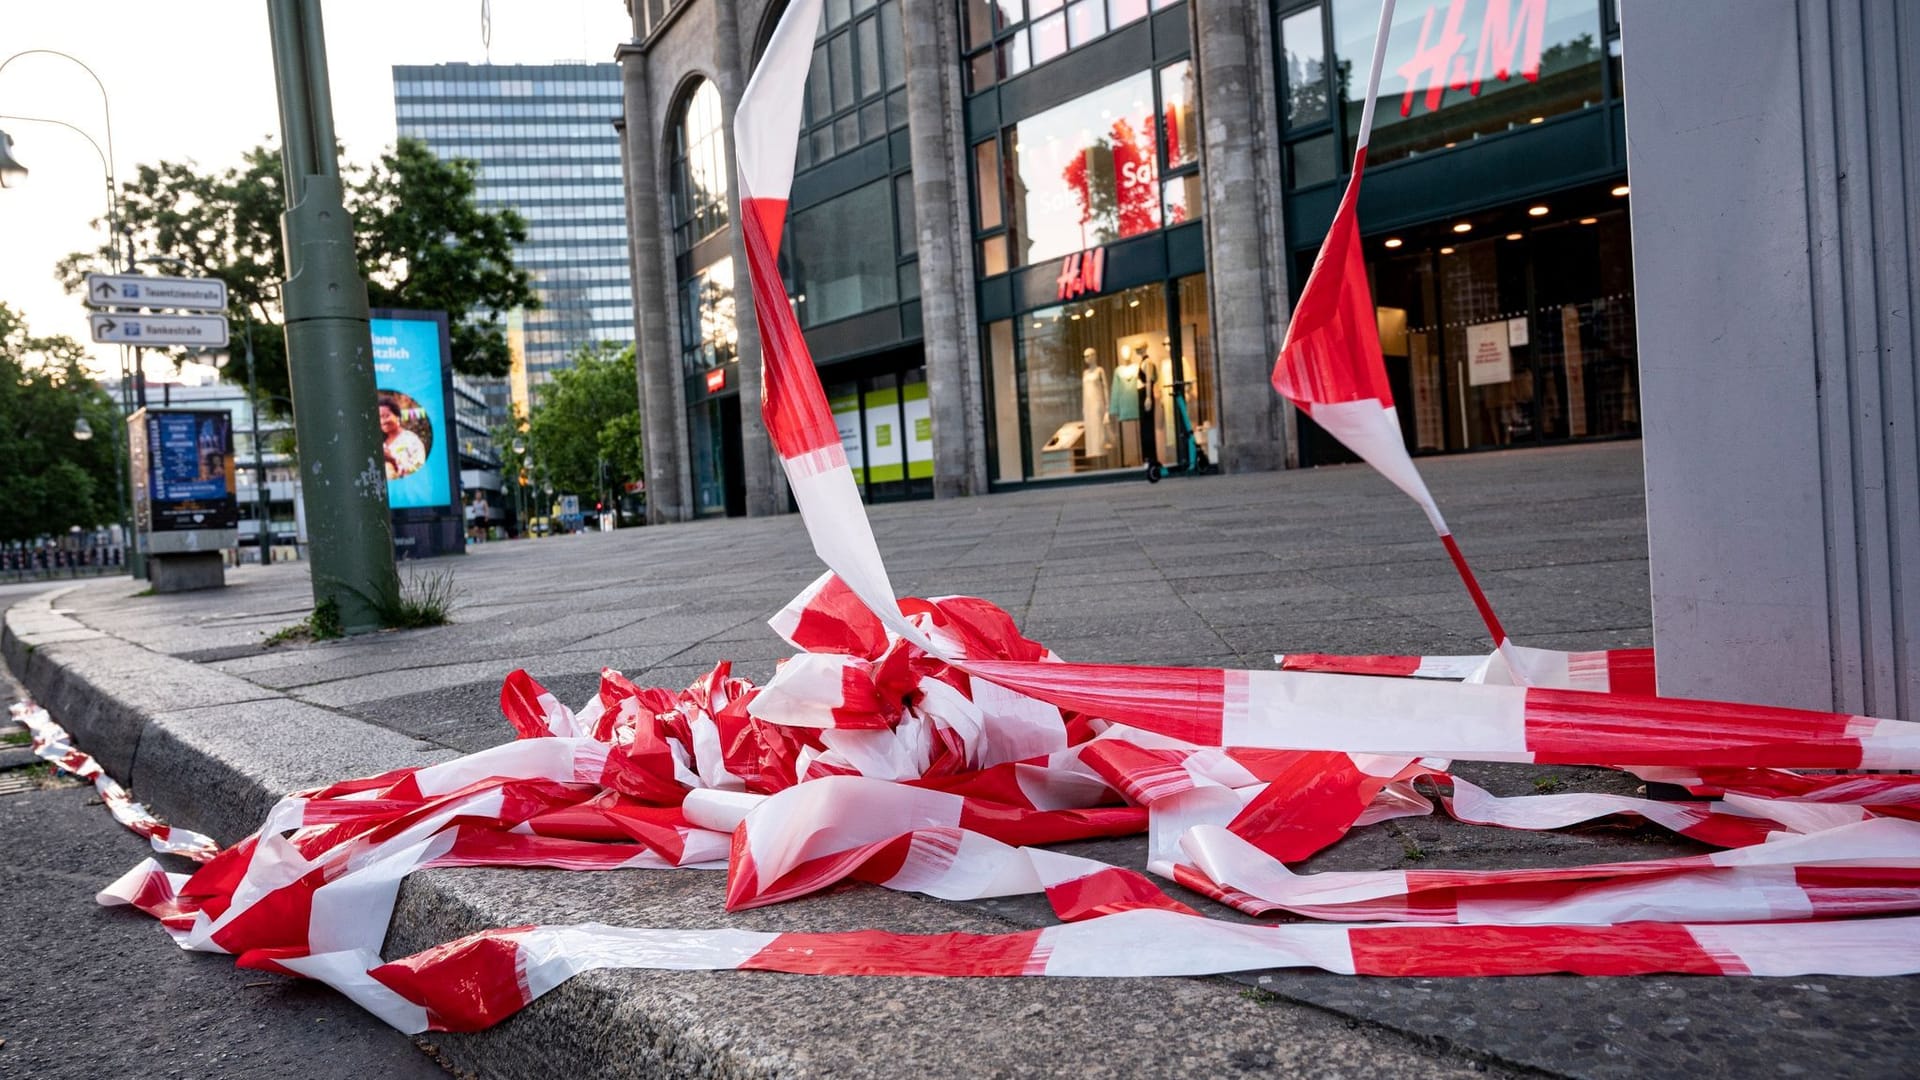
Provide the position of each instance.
(409, 370)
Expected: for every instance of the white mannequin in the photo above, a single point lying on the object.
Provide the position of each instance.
(1093, 402)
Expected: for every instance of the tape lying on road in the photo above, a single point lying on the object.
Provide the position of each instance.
(52, 744)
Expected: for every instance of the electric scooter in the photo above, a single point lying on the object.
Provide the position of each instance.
(1192, 461)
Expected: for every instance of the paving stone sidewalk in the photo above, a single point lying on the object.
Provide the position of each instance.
(1201, 571)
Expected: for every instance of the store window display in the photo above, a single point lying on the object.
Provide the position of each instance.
(1100, 378)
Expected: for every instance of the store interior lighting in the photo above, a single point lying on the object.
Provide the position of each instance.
(1393, 241)
(1536, 211)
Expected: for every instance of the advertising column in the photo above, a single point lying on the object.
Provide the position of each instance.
(184, 505)
(413, 374)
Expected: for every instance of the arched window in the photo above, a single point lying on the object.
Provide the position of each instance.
(699, 177)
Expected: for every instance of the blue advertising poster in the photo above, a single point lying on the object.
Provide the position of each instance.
(189, 470)
(416, 432)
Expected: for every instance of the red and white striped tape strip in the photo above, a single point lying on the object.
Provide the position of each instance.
(52, 744)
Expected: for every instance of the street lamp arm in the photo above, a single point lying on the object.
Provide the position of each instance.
(104, 163)
(106, 103)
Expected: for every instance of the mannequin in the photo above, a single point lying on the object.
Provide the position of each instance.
(1124, 405)
(1093, 403)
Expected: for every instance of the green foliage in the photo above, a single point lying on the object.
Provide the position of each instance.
(588, 418)
(322, 624)
(426, 599)
(423, 243)
(50, 481)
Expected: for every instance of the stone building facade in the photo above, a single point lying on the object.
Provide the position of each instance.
(1034, 241)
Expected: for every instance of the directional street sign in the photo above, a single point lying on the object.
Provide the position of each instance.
(207, 331)
(137, 291)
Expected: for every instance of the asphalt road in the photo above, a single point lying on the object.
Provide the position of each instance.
(92, 992)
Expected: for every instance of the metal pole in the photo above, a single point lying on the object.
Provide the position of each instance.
(263, 512)
(329, 347)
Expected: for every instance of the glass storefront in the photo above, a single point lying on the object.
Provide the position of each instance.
(1514, 331)
(1101, 384)
(885, 421)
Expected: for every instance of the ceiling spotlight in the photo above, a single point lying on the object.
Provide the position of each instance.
(1393, 241)
(1620, 191)
(1588, 220)
(1464, 226)
(1538, 120)
(1446, 251)
(1513, 236)
(1135, 302)
(1536, 211)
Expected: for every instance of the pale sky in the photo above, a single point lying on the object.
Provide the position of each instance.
(193, 79)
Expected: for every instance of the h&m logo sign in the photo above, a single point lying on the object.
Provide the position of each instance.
(1081, 273)
(1510, 32)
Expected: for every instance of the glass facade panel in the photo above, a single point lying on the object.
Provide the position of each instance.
(1122, 12)
(986, 171)
(700, 169)
(1467, 69)
(906, 226)
(1084, 173)
(841, 265)
(1182, 199)
(1180, 113)
(1049, 37)
(709, 334)
(1303, 51)
(868, 35)
(993, 255)
(1312, 161)
(979, 16)
(1005, 395)
(1086, 20)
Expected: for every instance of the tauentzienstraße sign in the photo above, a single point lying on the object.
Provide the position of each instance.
(120, 328)
(138, 291)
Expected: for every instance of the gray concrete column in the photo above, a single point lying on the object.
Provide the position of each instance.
(943, 217)
(1772, 149)
(766, 492)
(1241, 193)
(656, 360)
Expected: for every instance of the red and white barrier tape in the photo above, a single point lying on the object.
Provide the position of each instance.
(52, 744)
(926, 745)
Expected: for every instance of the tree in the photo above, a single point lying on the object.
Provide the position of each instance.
(584, 435)
(52, 481)
(423, 243)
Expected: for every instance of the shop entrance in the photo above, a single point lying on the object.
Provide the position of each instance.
(881, 408)
(1515, 330)
(719, 467)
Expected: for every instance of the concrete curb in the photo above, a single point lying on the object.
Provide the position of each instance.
(213, 752)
